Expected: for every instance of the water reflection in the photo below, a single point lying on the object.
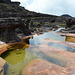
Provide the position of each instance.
(38, 40)
(40, 54)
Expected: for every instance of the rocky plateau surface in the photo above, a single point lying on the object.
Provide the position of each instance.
(17, 23)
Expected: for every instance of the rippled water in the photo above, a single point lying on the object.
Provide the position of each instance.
(17, 59)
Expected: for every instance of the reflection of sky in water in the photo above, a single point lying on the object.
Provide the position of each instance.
(61, 46)
(37, 52)
(38, 40)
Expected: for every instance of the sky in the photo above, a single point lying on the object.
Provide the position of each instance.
(53, 7)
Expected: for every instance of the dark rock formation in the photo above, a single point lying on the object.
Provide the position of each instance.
(5, 1)
(70, 26)
(70, 22)
(11, 19)
(8, 27)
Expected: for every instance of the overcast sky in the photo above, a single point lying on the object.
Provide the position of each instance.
(54, 7)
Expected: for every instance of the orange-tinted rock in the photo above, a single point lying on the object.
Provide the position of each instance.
(66, 34)
(42, 67)
(12, 46)
(17, 45)
(3, 48)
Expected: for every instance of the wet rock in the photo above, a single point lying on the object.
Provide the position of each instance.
(2, 63)
(42, 67)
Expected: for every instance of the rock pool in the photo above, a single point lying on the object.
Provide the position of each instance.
(49, 46)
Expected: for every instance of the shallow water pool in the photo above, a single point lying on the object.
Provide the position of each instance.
(17, 59)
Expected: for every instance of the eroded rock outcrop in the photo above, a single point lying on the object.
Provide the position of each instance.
(8, 27)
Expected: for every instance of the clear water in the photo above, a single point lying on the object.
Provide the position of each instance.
(17, 59)
(39, 40)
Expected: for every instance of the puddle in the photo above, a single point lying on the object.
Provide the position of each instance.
(16, 61)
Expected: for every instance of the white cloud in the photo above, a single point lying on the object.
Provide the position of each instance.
(56, 7)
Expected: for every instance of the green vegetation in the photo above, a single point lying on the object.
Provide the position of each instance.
(11, 8)
(35, 22)
(47, 23)
(59, 24)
